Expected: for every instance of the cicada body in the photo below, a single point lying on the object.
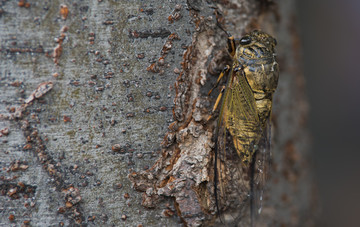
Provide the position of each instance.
(246, 103)
(248, 96)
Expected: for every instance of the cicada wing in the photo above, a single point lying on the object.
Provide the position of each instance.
(238, 131)
(221, 168)
(232, 187)
(262, 165)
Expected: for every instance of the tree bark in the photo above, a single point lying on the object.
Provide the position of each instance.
(89, 89)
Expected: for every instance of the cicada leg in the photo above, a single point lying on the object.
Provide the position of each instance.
(231, 49)
(223, 72)
(231, 41)
(217, 102)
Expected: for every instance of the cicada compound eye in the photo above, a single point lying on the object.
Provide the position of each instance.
(245, 40)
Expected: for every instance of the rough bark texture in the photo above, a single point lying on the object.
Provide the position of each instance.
(87, 95)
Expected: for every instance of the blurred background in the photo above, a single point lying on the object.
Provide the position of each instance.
(330, 33)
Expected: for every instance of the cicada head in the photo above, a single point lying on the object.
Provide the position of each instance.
(256, 45)
(255, 54)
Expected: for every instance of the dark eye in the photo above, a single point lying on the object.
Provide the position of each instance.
(245, 40)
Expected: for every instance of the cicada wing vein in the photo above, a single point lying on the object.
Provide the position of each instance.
(262, 161)
(238, 129)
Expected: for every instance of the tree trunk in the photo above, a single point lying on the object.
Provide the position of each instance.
(89, 89)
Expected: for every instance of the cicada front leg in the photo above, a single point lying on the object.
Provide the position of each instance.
(218, 99)
(231, 49)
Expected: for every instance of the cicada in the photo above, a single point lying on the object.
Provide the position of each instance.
(243, 124)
